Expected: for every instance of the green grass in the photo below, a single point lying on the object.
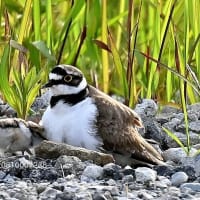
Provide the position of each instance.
(139, 49)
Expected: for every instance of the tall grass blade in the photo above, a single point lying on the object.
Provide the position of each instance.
(49, 24)
(154, 71)
(24, 28)
(104, 36)
(176, 139)
(173, 71)
(36, 20)
(119, 66)
(121, 7)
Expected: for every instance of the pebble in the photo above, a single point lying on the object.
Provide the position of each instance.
(9, 179)
(163, 182)
(112, 170)
(144, 195)
(49, 193)
(67, 177)
(127, 179)
(99, 196)
(193, 186)
(147, 107)
(177, 154)
(178, 178)
(144, 174)
(91, 173)
(2, 175)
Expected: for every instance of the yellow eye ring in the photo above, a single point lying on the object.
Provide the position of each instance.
(68, 78)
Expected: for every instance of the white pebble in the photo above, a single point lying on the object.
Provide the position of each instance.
(91, 173)
(177, 154)
(145, 174)
(178, 178)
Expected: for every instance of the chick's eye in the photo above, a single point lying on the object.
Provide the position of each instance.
(68, 78)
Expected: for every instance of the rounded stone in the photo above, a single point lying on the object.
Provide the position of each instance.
(50, 193)
(193, 186)
(92, 172)
(112, 170)
(145, 174)
(128, 179)
(177, 154)
(178, 178)
(2, 175)
(98, 196)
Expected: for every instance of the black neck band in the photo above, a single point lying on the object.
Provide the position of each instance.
(71, 99)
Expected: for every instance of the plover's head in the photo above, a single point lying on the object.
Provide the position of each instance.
(66, 79)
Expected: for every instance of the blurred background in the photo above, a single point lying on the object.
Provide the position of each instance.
(131, 48)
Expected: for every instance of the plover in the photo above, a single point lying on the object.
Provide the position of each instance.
(81, 115)
(19, 135)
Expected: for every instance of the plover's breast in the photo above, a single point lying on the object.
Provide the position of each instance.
(74, 125)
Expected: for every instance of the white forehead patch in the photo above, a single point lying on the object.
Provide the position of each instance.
(53, 76)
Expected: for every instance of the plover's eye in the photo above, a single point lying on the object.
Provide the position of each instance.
(68, 78)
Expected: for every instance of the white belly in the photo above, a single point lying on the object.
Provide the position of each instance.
(73, 125)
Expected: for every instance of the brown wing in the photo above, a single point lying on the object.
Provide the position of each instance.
(117, 125)
(36, 129)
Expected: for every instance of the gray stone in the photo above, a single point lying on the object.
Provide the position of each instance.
(192, 116)
(172, 193)
(83, 195)
(9, 179)
(193, 186)
(40, 187)
(41, 102)
(69, 165)
(173, 124)
(114, 191)
(163, 118)
(111, 182)
(170, 110)
(49, 149)
(145, 196)
(195, 109)
(144, 174)
(177, 154)
(20, 195)
(91, 173)
(128, 179)
(163, 182)
(171, 143)
(50, 193)
(4, 195)
(178, 178)
(98, 196)
(148, 107)
(153, 130)
(179, 116)
(2, 174)
(65, 196)
(10, 112)
(194, 162)
(112, 170)
(195, 126)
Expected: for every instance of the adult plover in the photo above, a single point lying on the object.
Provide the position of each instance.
(19, 135)
(81, 115)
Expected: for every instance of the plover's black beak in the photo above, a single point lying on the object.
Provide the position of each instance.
(47, 85)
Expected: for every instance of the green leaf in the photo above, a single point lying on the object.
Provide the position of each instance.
(44, 50)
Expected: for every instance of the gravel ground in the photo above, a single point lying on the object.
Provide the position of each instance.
(68, 178)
